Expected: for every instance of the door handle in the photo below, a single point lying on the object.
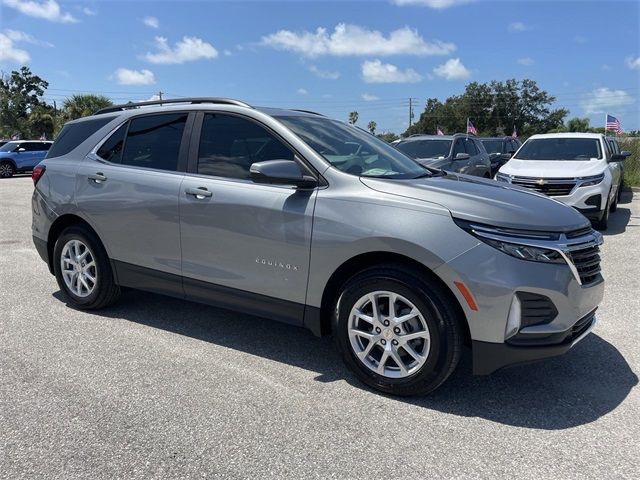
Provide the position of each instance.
(200, 193)
(98, 177)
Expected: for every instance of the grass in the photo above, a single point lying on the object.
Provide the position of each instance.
(632, 163)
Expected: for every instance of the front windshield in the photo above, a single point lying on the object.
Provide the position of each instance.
(493, 146)
(560, 149)
(425, 148)
(8, 147)
(352, 150)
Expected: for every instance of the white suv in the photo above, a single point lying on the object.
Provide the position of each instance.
(579, 169)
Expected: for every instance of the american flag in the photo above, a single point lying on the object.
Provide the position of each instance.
(439, 132)
(515, 133)
(613, 124)
(470, 128)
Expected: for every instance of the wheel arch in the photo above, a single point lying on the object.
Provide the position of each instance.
(11, 161)
(58, 226)
(360, 262)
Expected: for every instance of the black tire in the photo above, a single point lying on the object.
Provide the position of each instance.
(603, 223)
(614, 205)
(434, 302)
(7, 170)
(105, 291)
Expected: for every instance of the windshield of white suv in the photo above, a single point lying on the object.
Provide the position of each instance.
(560, 149)
(8, 147)
(352, 150)
(425, 148)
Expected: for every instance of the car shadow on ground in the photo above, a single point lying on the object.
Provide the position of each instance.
(619, 220)
(575, 389)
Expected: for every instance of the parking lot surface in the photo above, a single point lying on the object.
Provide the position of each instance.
(155, 387)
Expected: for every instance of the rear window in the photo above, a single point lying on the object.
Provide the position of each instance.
(73, 134)
(493, 146)
(560, 149)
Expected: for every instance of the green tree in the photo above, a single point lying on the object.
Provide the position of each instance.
(494, 108)
(388, 137)
(43, 121)
(371, 126)
(578, 125)
(20, 94)
(78, 106)
(353, 118)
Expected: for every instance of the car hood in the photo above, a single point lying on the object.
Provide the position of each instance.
(486, 201)
(552, 168)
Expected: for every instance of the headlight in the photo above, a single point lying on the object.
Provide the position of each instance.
(514, 243)
(501, 177)
(525, 252)
(594, 180)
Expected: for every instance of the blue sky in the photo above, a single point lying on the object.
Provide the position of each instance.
(332, 57)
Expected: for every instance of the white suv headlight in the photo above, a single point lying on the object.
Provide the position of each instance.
(503, 177)
(588, 181)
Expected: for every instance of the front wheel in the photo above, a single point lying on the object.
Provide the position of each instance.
(603, 223)
(397, 330)
(82, 269)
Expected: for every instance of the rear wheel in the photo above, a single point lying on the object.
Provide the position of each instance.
(82, 269)
(7, 170)
(397, 330)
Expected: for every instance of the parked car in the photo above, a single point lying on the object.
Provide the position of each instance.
(301, 218)
(500, 150)
(19, 156)
(2, 142)
(453, 153)
(578, 169)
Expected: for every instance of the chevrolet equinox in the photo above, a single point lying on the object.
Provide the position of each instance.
(293, 216)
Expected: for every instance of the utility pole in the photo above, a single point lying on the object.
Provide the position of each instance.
(160, 96)
(410, 111)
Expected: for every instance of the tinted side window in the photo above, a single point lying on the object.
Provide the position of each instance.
(154, 141)
(45, 146)
(471, 147)
(31, 146)
(74, 134)
(459, 148)
(111, 150)
(229, 145)
(479, 146)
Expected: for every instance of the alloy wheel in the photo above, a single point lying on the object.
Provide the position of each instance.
(78, 268)
(389, 334)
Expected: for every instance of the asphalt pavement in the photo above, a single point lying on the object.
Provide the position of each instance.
(155, 387)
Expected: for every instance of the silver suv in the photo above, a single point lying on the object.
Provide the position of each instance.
(293, 216)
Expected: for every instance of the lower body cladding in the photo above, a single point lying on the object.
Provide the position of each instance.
(520, 311)
(591, 201)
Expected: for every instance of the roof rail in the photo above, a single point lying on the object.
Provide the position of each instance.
(307, 111)
(193, 100)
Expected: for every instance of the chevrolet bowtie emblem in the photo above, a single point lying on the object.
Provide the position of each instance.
(540, 181)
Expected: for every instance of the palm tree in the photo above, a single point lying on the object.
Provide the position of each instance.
(372, 127)
(78, 106)
(353, 118)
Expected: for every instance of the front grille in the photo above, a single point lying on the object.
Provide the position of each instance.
(579, 233)
(587, 262)
(552, 187)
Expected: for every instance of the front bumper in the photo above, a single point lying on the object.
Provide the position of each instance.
(489, 357)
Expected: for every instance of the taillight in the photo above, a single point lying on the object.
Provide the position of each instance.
(38, 171)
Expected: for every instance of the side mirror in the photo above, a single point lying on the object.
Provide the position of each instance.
(618, 157)
(506, 156)
(281, 172)
(21, 149)
(626, 153)
(462, 156)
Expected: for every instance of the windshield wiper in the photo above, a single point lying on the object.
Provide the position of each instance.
(431, 172)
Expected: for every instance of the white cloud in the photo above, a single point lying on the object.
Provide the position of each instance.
(17, 36)
(452, 69)
(633, 63)
(89, 12)
(302, 91)
(367, 97)
(377, 72)
(352, 40)
(602, 100)
(517, 27)
(125, 76)
(186, 50)
(47, 10)
(436, 4)
(151, 22)
(10, 53)
(526, 61)
(227, 53)
(606, 68)
(326, 74)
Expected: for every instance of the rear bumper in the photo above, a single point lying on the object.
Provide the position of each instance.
(489, 357)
